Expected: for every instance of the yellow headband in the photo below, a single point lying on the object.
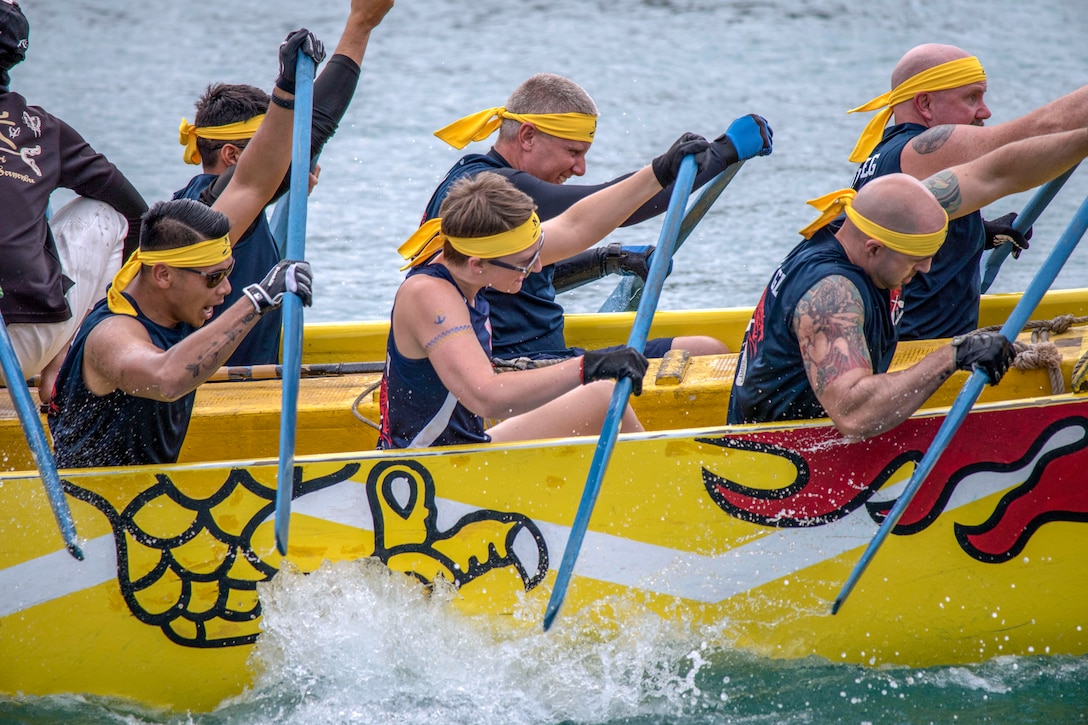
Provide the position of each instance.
(428, 239)
(478, 126)
(188, 134)
(203, 254)
(833, 204)
(952, 74)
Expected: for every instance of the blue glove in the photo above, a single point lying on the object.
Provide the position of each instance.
(750, 136)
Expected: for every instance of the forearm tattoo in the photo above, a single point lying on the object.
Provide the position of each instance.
(447, 335)
(932, 139)
(828, 322)
(209, 360)
(946, 187)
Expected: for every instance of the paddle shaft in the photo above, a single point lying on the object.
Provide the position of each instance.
(292, 304)
(625, 297)
(970, 392)
(622, 390)
(1024, 221)
(35, 438)
(238, 373)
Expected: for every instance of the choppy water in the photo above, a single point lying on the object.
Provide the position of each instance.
(343, 646)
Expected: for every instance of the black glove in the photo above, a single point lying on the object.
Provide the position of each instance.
(286, 276)
(746, 137)
(625, 362)
(299, 41)
(667, 165)
(631, 261)
(990, 352)
(1000, 231)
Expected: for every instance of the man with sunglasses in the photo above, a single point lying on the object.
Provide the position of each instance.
(125, 392)
(52, 271)
(226, 117)
(545, 131)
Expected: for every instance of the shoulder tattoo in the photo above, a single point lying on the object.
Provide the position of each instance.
(932, 139)
(945, 185)
(829, 325)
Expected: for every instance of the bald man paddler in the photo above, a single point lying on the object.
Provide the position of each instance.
(937, 107)
(822, 338)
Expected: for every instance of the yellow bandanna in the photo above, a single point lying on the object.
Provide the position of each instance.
(202, 254)
(188, 134)
(478, 126)
(835, 203)
(428, 239)
(952, 74)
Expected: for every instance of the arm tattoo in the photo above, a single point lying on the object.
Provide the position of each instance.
(945, 185)
(828, 323)
(447, 335)
(209, 360)
(932, 139)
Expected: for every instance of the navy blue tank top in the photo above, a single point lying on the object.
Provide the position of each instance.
(531, 320)
(115, 429)
(944, 301)
(254, 254)
(770, 382)
(417, 411)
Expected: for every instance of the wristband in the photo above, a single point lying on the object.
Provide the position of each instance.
(283, 102)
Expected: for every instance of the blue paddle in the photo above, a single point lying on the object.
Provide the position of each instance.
(281, 214)
(971, 390)
(35, 438)
(625, 297)
(639, 332)
(1024, 221)
(292, 304)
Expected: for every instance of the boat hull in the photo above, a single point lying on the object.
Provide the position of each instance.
(749, 530)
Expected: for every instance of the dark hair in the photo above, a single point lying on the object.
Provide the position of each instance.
(224, 103)
(180, 223)
(480, 206)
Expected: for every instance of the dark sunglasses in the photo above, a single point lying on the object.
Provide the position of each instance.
(527, 269)
(212, 279)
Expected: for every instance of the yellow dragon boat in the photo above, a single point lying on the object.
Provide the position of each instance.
(750, 528)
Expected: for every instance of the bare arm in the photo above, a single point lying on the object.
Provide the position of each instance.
(365, 15)
(829, 326)
(593, 218)
(120, 356)
(430, 320)
(1010, 169)
(945, 146)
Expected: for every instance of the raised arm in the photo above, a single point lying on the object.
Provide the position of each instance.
(268, 155)
(1013, 168)
(592, 218)
(942, 147)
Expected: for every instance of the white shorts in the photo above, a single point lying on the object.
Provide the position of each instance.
(90, 239)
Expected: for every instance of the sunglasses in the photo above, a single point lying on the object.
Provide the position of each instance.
(527, 269)
(212, 279)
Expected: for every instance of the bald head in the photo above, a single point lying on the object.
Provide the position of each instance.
(901, 203)
(922, 58)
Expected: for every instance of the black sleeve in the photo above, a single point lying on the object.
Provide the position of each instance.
(333, 91)
(554, 199)
(90, 174)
